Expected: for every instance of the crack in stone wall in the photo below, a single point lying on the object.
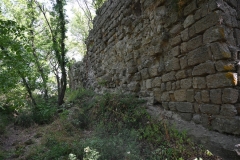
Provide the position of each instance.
(186, 59)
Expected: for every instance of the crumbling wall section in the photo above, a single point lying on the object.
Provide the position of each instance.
(182, 56)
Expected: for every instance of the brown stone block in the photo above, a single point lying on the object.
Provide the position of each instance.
(180, 95)
(194, 43)
(157, 82)
(198, 56)
(211, 109)
(190, 8)
(228, 110)
(214, 34)
(203, 69)
(199, 82)
(205, 96)
(184, 107)
(207, 22)
(216, 96)
(169, 76)
(157, 94)
(220, 80)
(220, 51)
(165, 97)
(190, 95)
(186, 83)
(227, 125)
(230, 95)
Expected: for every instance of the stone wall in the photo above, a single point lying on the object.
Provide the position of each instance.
(184, 58)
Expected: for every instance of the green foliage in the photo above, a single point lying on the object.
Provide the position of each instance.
(52, 150)
(2, 154)
(98, 3)
(78, 95)
(90, 154)
(43, 113)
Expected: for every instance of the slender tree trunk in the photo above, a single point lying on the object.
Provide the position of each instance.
(59, 46)
(28, 89)
(63, 52)
(40, 69)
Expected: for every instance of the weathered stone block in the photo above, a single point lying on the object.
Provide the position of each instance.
(176, 40)
(196, 118)
(165, 97)
(173, 86)
(190, 95)
(165, 105)
(169, 86)
(180, 95)
(153, 71)
(192, 31)
(172, 106)
(219, 80)
(216, 96)
(227, 125)
(184, 35)
(186, 116)
(157, 82)
(143, 85)
(175, 51)
(230, 95)
(228, 110)
(203, 69)
(238, 108)
(184, 107)
(183, 47)
(207, 22)
(213, 34)
(163, 87)
(211, 109)
(205, 96)
(169, 76)
(194, 43)
(190, 8)
(134, 86)
(144, 73)
(197, 107)
(148, 83)
(198, 14)
(197, 97)
(199, 82)
(198, 56)
(181, 74)
(183, 62)
(132, 70)
(176, 29)
(186, 83)
(137, 76)
(157, 94)
(220, 51)
(237, 32)
(225, 65)
(188, 21)
(172, 64)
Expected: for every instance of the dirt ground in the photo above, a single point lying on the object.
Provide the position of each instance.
(18, 140)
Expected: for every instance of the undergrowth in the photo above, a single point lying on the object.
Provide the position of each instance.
(116, 126)
(42, 113)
